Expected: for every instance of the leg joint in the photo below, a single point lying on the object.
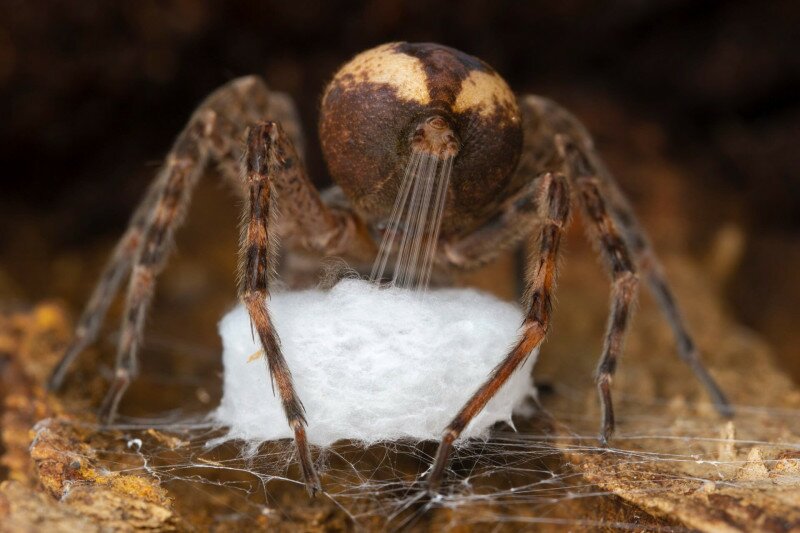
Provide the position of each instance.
(627, 282)
(123, 375)
(555, 203)
(297, 423)
(536, 327)
(606, 369)
(451, 434)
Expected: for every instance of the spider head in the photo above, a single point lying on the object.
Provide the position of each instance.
(398, 98)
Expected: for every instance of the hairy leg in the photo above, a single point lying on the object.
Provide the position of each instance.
(178, 178)
(540, 281)
(604, 230)
(546, 123)
(213, 134)
(241, 100)
(653, 274)
(264, 165)
(115, 271)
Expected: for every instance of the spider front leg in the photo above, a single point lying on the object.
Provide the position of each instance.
(553, 212)
(263, 161)
(273, 169)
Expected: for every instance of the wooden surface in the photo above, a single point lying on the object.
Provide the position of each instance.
(674, 462)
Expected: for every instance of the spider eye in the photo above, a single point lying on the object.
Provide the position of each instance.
(437, 123)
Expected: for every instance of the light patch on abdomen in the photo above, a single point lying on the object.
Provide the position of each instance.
(486, 93)
(384, 65)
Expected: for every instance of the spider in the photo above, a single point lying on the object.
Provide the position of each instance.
(518, 165)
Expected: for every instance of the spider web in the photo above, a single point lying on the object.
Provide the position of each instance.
(547, 472)
(671, 456)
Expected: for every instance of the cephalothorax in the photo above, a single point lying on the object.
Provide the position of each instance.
(509, 168)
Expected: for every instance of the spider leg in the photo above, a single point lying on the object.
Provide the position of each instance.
(269, 155)
(177, 180)
(212, 135)
(687, 349)
(540, 280)
(625, 283)
(114, 272)
(548, 128)
(650, 268)
(604, 229)
(583, 163)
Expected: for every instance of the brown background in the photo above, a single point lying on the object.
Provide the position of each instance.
(93, 92)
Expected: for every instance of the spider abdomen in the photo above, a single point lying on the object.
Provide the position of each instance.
(380, 99)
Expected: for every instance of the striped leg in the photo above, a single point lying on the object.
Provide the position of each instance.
(615, 251)
(540, 280)
(654, 276)
(631, 242)
(265, 164)
(177, 180)
(213, 130)
(550, 121)
(687, 349)
(623, 293)
(113, 274)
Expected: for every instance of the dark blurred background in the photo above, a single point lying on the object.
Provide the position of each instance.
(696, 106)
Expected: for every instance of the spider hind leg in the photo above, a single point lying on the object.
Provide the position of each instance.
(624, 246)
(625, 284)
